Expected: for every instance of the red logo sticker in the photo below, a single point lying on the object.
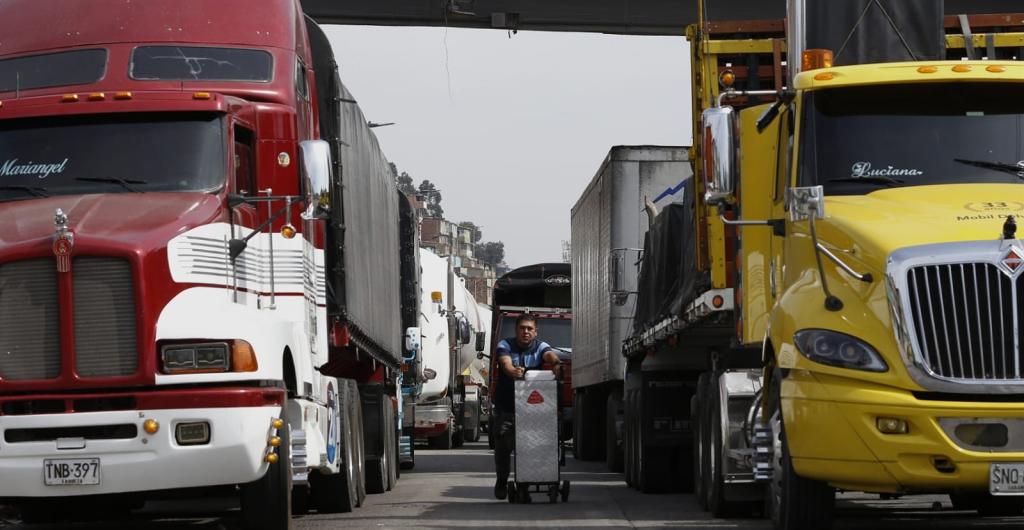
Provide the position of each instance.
(535, 398)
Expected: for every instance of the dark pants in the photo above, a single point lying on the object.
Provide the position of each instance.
(504, 442)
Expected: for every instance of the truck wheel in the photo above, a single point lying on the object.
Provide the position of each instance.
(472, 428)
(340, 492)
(267, 502)
(377, 474)
(458, 437)
(795, 502)
(630, 457)
(612, 422)
(391, 449)
(699, 420)
(358, 440)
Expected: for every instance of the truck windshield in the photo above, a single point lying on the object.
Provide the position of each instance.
(111, 153)
(554, 331)
(861, 139)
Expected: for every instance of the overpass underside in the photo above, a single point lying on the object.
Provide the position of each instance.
(628, 17)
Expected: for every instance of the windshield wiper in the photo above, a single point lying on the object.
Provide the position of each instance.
(880, 180)
(125, 183)
(31, 190)
(1016, 169)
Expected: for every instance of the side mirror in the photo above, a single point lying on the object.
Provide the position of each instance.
(481, 343)
(412, 339)
(315, 163)
(429, 374)
(720, 162)
(806, 201)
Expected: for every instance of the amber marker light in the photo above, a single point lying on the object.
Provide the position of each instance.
(718, 301)
(274, 441)
(824, 76)
(727, 78)
(435, 296)
(150, 426)
(243, 357)
(962, 68)
(123, 95)
(927, 69)
(97, 96)
(816, 58)
(271, 458)
(995, 69)
(277, 423)
(288, 231)
(202, 95)
(69, 98)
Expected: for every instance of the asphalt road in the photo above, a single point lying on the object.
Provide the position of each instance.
(454, 489)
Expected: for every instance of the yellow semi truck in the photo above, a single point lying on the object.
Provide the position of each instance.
(853, 311)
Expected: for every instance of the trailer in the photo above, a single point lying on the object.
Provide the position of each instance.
(608, 228)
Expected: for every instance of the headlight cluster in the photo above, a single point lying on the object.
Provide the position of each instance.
(838, 349)
(206, 357)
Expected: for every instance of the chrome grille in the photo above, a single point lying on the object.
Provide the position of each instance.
(105, 335)
(964, 320)
(29, 320)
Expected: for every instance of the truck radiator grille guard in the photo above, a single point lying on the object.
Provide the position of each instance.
(956, 310)
(964, 318)
(105, 319)
(29, 320)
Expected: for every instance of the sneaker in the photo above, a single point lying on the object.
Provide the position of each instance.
(500, 489)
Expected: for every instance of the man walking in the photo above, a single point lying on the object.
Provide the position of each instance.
(515, 356)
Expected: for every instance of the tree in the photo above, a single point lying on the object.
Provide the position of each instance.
(474, 229)
(491, 252)
(403, 180)
(432, 196)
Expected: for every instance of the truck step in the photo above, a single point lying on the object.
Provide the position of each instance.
(300, 468)
(763, 442)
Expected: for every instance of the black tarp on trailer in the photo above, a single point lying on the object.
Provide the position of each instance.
(877, 31)
(669, 278)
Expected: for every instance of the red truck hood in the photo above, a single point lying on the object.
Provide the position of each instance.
(141, 220)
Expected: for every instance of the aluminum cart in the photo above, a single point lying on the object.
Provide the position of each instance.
(539, 454)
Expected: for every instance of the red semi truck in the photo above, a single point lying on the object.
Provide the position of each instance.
(201, 277)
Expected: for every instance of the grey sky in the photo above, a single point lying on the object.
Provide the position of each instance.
(511, 130)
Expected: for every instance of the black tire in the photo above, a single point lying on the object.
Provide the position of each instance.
(512, 491)
(795, 502)
(630, 458)
(612, 447)
(699, 420)
(300, 500)
(339, 493)
(523, 494)
(359, 441)
(392, 446)
(472, 429)
(717, 504)
(267, 503)
(458, 437)
(987, 505)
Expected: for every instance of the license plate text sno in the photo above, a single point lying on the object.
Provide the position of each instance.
(1006, 479)
(71, 471)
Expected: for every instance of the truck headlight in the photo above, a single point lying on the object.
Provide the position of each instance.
(205, 357)
(838, 349)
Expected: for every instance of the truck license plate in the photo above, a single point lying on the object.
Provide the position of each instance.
(1006, 479)
(71, 471)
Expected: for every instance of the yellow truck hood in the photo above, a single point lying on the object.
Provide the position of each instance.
(872, 226)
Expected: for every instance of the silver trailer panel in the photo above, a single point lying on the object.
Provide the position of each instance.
(372, 265)
(608, 228)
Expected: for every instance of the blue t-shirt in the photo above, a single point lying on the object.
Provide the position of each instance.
(529, 357)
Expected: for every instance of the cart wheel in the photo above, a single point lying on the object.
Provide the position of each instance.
(565, 491)
(552, 494)
(512, 491)
(524, 494)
